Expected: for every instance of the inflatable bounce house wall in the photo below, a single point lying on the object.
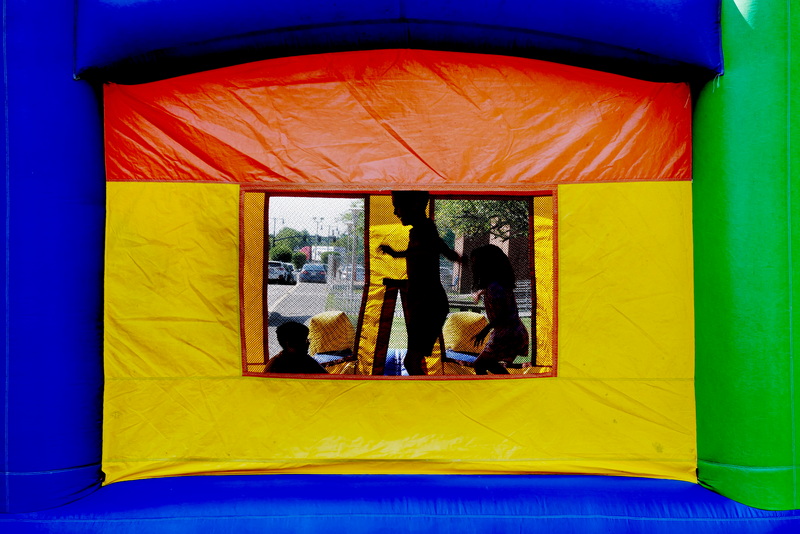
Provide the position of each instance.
(139, 135)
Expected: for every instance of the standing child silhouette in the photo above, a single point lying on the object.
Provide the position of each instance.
(493, 277)
(427, 305)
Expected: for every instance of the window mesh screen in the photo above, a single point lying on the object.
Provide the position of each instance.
(252, 262)
(303, 259)
(314, 264)
(510, 224)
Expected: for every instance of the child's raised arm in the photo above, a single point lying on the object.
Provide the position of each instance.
(449, 253)
(386, 249)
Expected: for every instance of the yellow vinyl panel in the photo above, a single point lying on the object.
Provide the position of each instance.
(625, 290)
(524, 425)
(622, 403)
(172, 280)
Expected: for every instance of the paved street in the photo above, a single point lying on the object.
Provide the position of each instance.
(293, 303)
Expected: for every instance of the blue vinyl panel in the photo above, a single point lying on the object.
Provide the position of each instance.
(441, 504)
(148, 39)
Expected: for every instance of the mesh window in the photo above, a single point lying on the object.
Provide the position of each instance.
(303, 259)
(309, 269)
(522, 227)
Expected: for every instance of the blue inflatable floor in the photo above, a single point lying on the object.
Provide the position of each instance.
(395, 367)
(403, 503)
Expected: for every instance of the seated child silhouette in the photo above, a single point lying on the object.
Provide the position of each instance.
(427, 301)
(493, 278)
(294, 358)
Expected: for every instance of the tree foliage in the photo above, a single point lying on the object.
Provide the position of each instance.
(292, 238)
(352, 241)
(280, 252)
(299, 259)
(504, 219)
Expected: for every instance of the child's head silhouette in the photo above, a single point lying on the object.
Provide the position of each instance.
(490, 264)
(409, 206)
(293, 336)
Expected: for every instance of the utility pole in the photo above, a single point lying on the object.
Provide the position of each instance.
(318, 222)
(275, 227)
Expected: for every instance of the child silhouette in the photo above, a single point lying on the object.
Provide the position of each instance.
(493, 277)
(427, 305)
(294, 358)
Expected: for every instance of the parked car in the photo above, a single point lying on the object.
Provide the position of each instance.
(291, 275)
(347, 273)
(313, 272)
(277, 272)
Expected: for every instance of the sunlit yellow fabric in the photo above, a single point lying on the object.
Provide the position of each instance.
(460, 328)
(176, 403)
(380, 266)
(172, 281)
(330, 331)
(625, 290)
(279, 425)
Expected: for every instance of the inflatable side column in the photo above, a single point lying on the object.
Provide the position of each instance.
(747, 245)
(53, 232)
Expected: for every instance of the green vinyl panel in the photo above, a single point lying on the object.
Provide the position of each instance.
(747, 238)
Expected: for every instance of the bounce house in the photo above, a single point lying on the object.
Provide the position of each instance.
(655, 194)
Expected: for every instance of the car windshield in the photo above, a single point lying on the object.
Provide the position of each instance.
(316, 267)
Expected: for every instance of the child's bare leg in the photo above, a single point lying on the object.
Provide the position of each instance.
(413, 362)
(496, 368)
(485, 363)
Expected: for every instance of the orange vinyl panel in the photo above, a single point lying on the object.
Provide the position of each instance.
(389, 119)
